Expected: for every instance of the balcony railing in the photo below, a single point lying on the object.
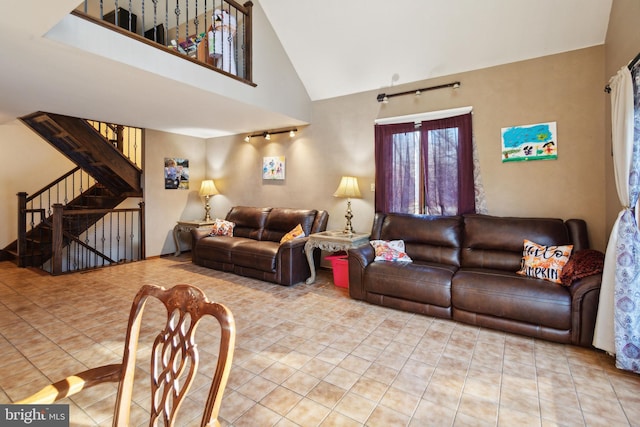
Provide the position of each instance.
(213, 33)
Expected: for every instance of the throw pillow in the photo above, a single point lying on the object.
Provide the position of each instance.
(296, 233)
(582, 264)
(544, 262)
(221, 227)
(390, 250)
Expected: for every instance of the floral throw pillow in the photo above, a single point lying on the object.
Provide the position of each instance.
(222, 228)
(296, 233)
(544, 262)
(390, 250)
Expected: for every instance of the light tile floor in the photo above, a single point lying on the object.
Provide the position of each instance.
(308, 355)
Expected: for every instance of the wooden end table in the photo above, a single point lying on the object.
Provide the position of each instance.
(184, 226)
(331, 241)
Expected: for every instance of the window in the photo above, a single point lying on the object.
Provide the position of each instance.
(425, 168)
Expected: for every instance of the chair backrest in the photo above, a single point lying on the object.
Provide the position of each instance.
(174, 355)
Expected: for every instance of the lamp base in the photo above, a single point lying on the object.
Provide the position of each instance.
(348, 229)
(207, 209)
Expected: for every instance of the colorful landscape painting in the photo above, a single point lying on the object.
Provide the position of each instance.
(530, 142)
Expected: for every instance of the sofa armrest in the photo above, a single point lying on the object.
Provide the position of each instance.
(585, 295)
(199, 233)
(359, 258)
(291, 262)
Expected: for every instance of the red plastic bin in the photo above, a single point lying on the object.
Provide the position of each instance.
(340, 266)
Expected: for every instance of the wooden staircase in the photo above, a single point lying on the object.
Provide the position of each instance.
(114, 178)
(38, 240)
(84, 146)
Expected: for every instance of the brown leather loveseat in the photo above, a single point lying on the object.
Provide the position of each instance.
(255, 250)
(464, 268)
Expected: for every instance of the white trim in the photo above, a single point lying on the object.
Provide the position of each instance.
(420, 117)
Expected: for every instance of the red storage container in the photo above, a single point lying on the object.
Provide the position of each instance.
(340, 266)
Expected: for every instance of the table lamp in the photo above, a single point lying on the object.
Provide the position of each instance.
(208, 189)
(348, 188)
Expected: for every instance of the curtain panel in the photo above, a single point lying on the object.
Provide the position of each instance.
(618, 322)
(453, 141)
(386, 180)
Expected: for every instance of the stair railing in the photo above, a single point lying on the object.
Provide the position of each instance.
(127, 140)
(215, 33)
(43, 232)
(116, 237)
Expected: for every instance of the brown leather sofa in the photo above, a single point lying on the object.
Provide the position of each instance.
(464, 268)
(255, 250)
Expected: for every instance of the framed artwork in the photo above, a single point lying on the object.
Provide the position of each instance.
(273, 167)
(530, 142)
(176, 173)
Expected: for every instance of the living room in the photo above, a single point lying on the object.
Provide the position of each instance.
(566, 88)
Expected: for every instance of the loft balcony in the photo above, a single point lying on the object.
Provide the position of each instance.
(213, 33)
(66, 61)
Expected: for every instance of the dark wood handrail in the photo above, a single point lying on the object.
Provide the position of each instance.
(53, 184)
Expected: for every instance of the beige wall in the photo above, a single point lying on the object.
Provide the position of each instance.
(25, 157)
(165, 207)
(621, 46)
(565, 88)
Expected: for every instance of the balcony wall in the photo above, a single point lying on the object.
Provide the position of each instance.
(166, 92)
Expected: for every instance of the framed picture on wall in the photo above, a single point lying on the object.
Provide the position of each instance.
(530, 142)
(176, 173)
(273, 167)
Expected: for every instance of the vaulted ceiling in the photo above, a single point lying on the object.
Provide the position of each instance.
(337, 48)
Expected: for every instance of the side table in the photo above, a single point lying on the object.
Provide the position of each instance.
(331, 241)
(185, 226)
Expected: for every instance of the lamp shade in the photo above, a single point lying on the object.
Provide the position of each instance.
(208, 188)
(348, 187)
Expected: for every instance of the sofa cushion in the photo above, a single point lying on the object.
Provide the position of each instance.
(511, 296)
(222, 227)
(392, 250)
(296, 233)
(434, 239)
(496, 242)
(219, 248)
(282, 220)
(425, 283)
(544, 262)
(249, 221)
(259, 255)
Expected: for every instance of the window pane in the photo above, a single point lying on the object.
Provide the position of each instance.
(442, 170)
(406, 173)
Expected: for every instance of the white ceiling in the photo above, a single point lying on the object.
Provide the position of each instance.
(336, 47)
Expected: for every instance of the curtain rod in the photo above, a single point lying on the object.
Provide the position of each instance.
(632, 64)
(384, 97)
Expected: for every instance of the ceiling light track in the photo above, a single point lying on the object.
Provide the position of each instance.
(384, 97)
(267, 134)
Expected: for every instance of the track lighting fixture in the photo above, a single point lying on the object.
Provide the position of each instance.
(267, 134)
(384, 97)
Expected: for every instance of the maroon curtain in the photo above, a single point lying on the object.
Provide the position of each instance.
(388, 178)
(447, 156)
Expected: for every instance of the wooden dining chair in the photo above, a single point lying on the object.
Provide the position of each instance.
(174, 359)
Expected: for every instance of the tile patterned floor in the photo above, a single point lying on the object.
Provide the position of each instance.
(308, 355)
